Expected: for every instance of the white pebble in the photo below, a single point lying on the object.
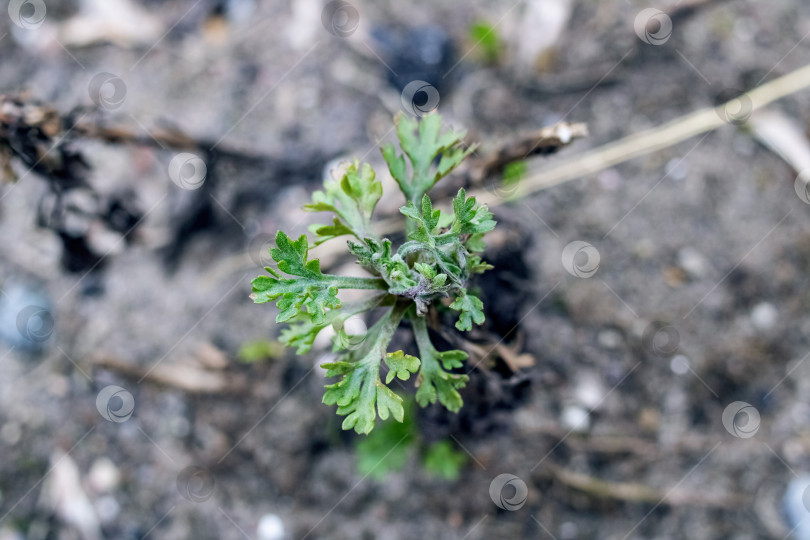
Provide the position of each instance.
(270, 528)
(103, 476)
(764, 316)
(589, 390)
(609, 339)
(677, 169)
(679, 364)
(575, 418)
(692, 262)
(797, 506)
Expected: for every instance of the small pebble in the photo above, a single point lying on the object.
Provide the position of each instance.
(677, 169)
(679, 364)
(270, 528)
(26, 320)
(609, 339)
(692, 262)
(764, 316)
(797, 507)
(575, 418)
(589, 390)
(103, 475)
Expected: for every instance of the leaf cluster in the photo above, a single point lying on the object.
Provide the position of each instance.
(436, 261)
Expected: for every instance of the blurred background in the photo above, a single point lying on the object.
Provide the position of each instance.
(648, 382)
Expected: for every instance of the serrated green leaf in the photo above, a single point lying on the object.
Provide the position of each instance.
(312, 291)
(325, 233)
(377, 257)
(434, 382)
(422, 142)
(471, 308)
(400, 365)
(470, 218)
(352, 199)
(398, 169)
(360, 389)
(425, 269)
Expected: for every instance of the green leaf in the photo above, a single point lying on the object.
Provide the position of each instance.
(352, 199)
(443, 460)
(377, 257)
(387, 448)
(400, 365)
(260, 349)
(359, 390)
(292, 257)
(312, 292)
(486, 37)
(324, 233)
(470, 218)
(433, 381)
(396, 165)
(422, 142)
(471, 308)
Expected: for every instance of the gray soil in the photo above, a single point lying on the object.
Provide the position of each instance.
(705, 242)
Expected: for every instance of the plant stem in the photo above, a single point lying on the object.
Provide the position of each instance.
(420, 333)
(346, 282)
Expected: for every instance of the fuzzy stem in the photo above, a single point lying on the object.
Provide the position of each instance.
(346, 282)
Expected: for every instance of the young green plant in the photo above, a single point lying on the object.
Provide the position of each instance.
(437, 260)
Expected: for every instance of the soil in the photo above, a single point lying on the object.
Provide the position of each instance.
(699, 300)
